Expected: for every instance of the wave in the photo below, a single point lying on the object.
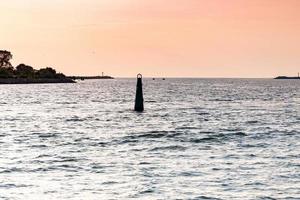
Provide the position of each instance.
(205, 198)
(172, 147)
(218, 137)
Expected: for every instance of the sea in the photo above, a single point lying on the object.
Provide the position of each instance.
(197, 139)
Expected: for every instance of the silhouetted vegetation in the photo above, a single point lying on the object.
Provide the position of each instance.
(23, 71)
(6, 72)
(5, 57)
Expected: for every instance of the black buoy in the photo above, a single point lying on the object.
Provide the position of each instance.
(139, 100)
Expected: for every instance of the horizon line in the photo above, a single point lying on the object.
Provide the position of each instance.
(187, 77)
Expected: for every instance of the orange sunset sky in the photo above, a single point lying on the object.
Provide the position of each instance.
(169, 38)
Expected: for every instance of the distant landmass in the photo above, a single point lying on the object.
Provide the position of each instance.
(287, 77)
(34, 80)
(89, 77)
(24, 74)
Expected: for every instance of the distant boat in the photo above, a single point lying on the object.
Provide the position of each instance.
(153, 79)
(163, 79)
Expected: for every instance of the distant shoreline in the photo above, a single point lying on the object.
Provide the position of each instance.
(34, 81)
(68, 79)
(89, 77)
(72, 79)
(287, 77)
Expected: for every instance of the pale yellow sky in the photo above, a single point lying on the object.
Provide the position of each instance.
(183, 38)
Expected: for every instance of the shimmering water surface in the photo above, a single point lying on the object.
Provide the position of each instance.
(197, 139)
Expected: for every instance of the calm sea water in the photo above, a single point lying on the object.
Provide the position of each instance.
(198, 139)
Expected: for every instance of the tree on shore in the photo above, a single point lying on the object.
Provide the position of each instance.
(6, 69)
(24, 71)
(6, 72)
(47, 72)
(5, 57)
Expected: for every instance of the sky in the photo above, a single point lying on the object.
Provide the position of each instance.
(158, 38)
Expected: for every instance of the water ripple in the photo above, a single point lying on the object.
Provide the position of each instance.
(198, 139)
